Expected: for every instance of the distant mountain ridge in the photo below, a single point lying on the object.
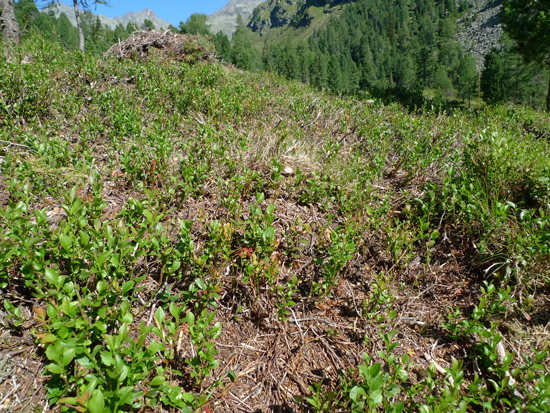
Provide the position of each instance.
(131, 17)
(225, 19)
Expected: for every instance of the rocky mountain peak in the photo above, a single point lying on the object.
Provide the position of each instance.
(132, 17)
(225, 19)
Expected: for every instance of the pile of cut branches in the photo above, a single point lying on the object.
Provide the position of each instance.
(171, 46)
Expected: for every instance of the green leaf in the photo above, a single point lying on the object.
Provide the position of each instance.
(175, 266)
(375, 398)
(65, 242)
(155, 346)
(54, 368)
(96, 403)
(122, 332)
(84, 238)
(175, 310)
(160, 315)
(101, 286)
(67, 400)
(52, 352)
(356, 392)
(123, 373)
(127, 318)
(157, 381)
(115, 260)
(68, 356)
(48, 338)
(52, 276)
(102, 257)
(127, 286)
(268, 234)
(107, 359)
(148, 215)
(377, 382)
(85, 362)
(125, 395)
(200, 283)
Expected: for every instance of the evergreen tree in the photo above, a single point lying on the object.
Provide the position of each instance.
(466, 78)
(492, 78)
(222, 45)
(334, 74)
(242, 54)
(85, 4)
(147, 25)
(528, 24)
(196, 25)
(120, 33)
(318, 70)
(68, 35)
(443, 85)
(405, 75)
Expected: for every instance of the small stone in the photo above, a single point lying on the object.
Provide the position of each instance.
(287, 171)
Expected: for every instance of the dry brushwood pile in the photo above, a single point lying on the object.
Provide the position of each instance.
(190, 238)
(171, 46)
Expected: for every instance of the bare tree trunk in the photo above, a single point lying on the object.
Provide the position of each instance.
(9, 22)
(79, 25)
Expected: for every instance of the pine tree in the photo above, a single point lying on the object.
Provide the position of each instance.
(466, 78)
(222, 45)
(196, 25)
(528, 23)
(492, 78)
(334, 74)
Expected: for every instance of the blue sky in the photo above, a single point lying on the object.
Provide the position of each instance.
(172, 11)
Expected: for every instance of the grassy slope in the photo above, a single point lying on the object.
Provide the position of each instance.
(282, 34)
(313, 228)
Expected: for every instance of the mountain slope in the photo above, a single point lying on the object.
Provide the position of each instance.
(225, 19)
(131, 17)
(480, 29)
(274, 235)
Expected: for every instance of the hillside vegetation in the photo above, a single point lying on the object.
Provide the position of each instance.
(179, 237)
(415, 48)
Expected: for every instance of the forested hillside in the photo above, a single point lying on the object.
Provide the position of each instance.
(99, 37)
(410, 50)
(391, 47)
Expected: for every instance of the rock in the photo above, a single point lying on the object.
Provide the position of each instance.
(288, 171)
(480, 36)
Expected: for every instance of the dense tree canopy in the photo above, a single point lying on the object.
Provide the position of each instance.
(195, 24)
(527, 22)
(98, 36)
(492, 78)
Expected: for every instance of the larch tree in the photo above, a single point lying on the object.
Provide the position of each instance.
(196, 24)
(492, 78)
(8, 21)
(527, 22)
